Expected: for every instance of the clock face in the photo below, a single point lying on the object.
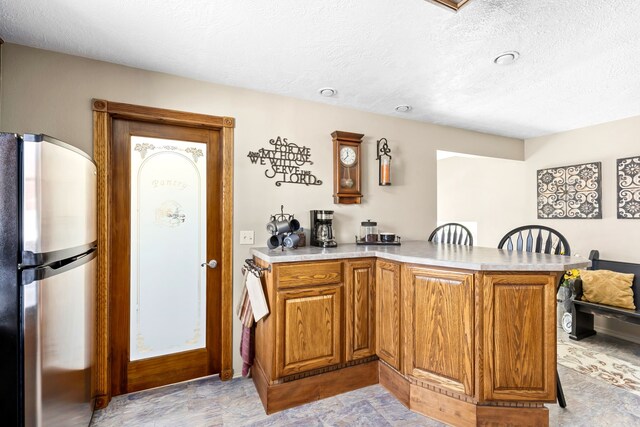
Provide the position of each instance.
(348, 156)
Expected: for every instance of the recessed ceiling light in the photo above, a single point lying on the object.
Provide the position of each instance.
(403, 108)
(327, 92)
(507, 58)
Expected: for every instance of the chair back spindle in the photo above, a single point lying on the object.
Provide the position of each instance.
(452, 233)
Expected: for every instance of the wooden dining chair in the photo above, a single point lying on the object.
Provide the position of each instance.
(542, 240)
(453, 233)
(535, 238)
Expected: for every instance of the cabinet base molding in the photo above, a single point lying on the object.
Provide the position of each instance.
(277, 397)
(457, 412)
(451, 409)
(395, 383)
(512, 416)
(319, 371)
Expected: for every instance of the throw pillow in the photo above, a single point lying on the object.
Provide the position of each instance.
(607, 287)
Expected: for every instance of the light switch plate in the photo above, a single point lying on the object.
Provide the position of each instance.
(246, 237)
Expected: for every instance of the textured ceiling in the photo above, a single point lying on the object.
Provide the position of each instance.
(579, 62)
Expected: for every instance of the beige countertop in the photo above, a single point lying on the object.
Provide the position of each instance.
(426, 253)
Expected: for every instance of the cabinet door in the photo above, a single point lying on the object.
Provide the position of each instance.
(388, 308)
(438, 319)
(308, 328)
(519, 322)
(360, 309)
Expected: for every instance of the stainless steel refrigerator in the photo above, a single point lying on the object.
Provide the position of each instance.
(47, 282)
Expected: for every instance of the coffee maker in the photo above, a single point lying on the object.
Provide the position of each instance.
(322, 229)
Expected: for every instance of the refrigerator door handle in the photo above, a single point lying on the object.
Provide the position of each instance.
(31, 259)
(40, 273)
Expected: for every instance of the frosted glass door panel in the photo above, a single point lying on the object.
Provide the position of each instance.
(168, 245)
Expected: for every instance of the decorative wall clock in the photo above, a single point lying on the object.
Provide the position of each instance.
(346, 167)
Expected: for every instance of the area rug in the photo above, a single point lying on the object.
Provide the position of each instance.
(600, 366)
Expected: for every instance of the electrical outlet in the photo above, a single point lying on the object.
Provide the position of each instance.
(246, 237)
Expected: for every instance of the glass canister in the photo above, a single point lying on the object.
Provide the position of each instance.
(368, 231)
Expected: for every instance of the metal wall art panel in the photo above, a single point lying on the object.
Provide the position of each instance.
(570, 192)
(629, 187)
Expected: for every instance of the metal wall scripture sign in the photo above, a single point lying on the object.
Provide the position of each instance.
(285, 161)
(570, 192)
(629, 188)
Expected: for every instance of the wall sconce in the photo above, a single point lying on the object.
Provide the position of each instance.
(384, 162)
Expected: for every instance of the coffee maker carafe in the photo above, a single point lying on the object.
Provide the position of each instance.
(322, 229)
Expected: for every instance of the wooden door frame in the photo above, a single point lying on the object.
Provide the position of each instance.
(103, 114)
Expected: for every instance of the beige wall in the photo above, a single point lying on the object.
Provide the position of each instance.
(488, 191)
(616, 239)
(50, 93)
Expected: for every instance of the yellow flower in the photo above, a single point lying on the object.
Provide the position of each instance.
(572, 274)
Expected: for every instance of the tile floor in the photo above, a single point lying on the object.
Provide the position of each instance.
(209, 402)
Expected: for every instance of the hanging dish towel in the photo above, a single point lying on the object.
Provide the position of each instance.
(256, 297)
(247, 349)
(251, 307)
(245, 314)
(243, 309)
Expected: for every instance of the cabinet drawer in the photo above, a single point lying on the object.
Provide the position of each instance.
(312, 273)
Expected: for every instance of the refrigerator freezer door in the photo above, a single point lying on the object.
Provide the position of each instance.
(59, 198)
(59, 332)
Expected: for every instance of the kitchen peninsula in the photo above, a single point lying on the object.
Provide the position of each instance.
(465, 335)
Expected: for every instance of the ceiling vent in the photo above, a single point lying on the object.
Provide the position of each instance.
(454, 5)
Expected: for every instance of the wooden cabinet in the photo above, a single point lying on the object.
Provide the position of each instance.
(465, 347)
(438, 320)
(519, 323)
(304, 349)
(309, 329)
(360, 309)
(388, 308)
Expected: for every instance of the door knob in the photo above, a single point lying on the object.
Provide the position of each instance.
(211, 264)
